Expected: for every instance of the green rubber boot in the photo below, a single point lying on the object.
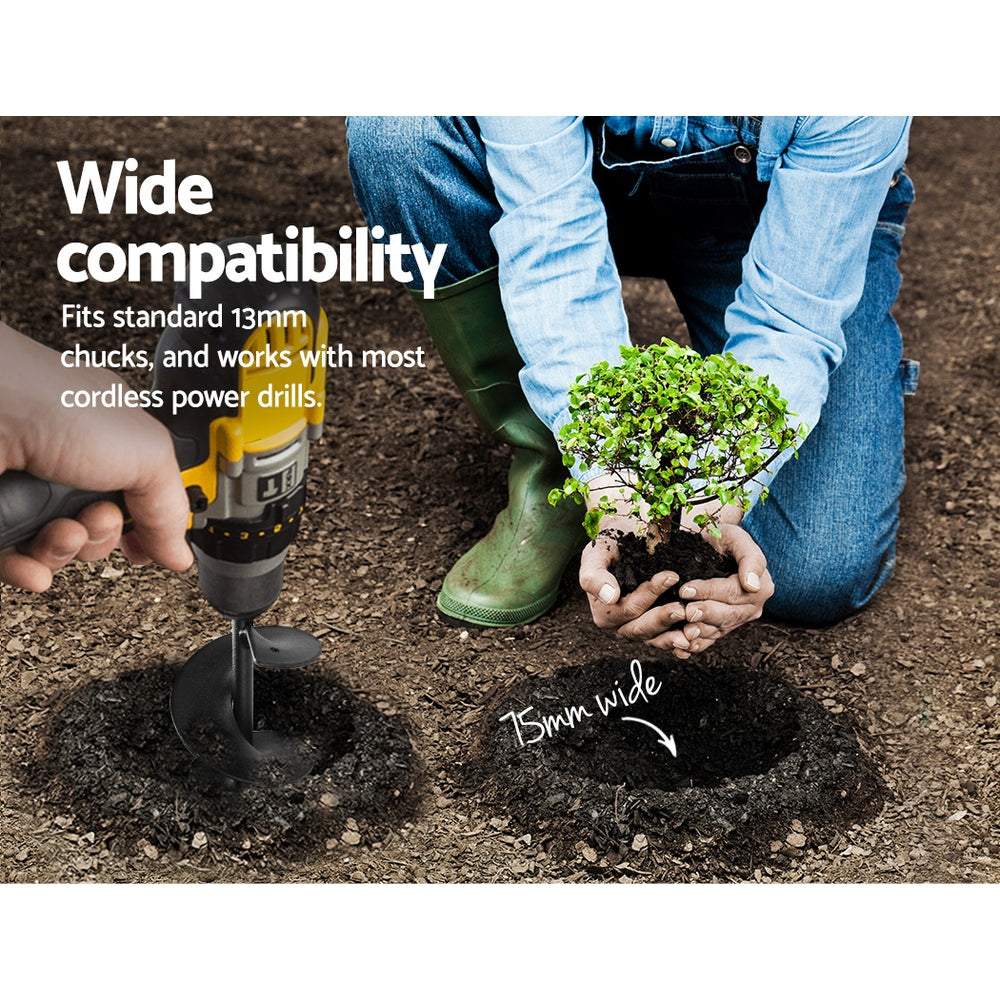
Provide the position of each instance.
(511, 576)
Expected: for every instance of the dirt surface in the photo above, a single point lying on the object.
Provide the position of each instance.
(96, 787)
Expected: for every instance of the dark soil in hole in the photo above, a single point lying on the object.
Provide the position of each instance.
(112, 758)
(752, 754)
(687, 554)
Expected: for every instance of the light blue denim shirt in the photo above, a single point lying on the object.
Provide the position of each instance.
(802, 276)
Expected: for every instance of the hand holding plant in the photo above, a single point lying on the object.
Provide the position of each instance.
(677, 431)
(673, 432)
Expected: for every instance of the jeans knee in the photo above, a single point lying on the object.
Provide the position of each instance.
(426, 179)
(825, 586)
(379, 142)
(380, 155)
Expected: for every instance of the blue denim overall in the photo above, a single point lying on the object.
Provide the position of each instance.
(828, 527)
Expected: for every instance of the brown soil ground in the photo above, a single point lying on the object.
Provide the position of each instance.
(401, 485)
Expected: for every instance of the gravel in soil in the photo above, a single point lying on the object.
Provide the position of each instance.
(401, 485)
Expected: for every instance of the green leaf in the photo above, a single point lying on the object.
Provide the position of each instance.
(669, 418)
(592, 522)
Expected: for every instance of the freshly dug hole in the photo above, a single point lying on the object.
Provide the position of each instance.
(752, 754)
(112, 757)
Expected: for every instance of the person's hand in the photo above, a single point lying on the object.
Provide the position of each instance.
(715, 607)
(91, 449)
(631, 615)
(90, 536)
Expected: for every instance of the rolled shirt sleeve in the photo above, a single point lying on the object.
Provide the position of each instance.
(804, 272)
(802, 277)
(560, 287)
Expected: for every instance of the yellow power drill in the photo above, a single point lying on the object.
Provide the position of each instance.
(240, 383)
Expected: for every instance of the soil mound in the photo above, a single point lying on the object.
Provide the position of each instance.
(112, 758)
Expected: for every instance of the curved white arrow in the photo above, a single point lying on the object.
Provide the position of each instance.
(667, 741)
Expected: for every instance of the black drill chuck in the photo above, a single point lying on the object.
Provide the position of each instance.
(241, 562)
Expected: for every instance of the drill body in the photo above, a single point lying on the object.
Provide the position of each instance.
(245, 458)
(260, 381)
(258, 378)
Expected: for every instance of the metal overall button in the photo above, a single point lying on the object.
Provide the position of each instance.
(742, 154)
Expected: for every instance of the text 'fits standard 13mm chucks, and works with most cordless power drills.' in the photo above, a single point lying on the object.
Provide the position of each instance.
(243, 451)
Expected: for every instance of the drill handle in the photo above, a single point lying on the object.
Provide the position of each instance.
(27, 504)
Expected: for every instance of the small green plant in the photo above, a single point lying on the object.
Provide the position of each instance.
(677, 431)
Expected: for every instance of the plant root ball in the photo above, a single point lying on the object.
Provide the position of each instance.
(686, 553)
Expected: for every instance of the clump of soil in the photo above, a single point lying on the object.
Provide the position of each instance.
(112, 757)
(751, 754)
(686, 553)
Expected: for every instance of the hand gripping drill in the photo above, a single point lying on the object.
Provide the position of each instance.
(256, 374)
